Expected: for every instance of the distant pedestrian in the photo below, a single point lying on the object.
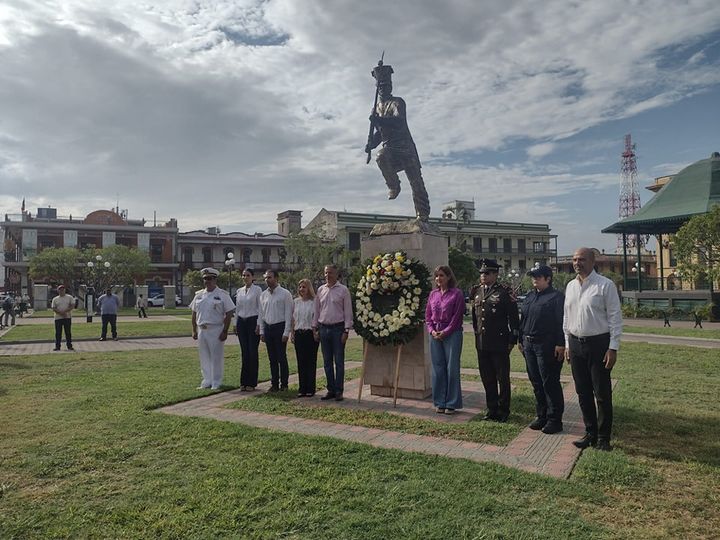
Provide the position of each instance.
(7, 307)
(141, 304)
(109, 305)
(276, 308)
(212, 311)
(62, 305)
(331, 326)
(306, 348)
(592, 325)
(666, 321)
(698, 319)
(247, 305)
(444, 320)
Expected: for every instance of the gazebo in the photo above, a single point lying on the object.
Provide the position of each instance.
(694, 190)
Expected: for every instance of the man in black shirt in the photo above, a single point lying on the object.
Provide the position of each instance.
(542, 343)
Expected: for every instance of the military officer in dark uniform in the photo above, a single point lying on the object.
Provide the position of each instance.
(495, 321)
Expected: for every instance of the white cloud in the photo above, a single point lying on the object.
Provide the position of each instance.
(227, 112)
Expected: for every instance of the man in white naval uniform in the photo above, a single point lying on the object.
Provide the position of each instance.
(212, 310)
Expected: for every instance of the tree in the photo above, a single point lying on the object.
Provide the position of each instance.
(463, 266)
(311, 253)
(697, 246)
(193, 280)
(56, 265)
(116, 266)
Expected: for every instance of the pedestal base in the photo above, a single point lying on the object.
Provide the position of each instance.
(415, 378)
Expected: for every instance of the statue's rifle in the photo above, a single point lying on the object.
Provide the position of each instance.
(374, 112)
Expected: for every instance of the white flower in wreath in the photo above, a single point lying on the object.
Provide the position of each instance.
(417, 290)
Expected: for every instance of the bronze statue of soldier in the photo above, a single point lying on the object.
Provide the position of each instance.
(388, 124)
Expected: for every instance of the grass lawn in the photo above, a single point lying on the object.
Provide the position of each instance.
(710, 333)
(82, 329)
(150, 311)
(82, 454)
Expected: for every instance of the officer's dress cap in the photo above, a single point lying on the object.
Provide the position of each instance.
(488, 265)
(544, 271)
(209, 272)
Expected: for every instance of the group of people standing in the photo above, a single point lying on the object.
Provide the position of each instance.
(62, 306)
(582, 327)
(272, 316)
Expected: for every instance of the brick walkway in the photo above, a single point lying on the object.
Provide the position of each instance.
(532, 451)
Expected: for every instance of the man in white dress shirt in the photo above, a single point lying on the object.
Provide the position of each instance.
(247, 305)
(592, 325)
(276, 309)
(212, 310)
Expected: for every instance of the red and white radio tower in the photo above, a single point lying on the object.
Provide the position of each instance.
(629, 194)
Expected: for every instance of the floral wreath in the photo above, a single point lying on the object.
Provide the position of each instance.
(390, 299)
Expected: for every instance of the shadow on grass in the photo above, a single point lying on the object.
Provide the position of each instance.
(14, 365)
(674, 437)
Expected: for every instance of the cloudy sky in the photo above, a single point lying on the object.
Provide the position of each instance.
(227, 112)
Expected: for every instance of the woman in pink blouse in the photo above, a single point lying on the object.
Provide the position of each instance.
(444, 320)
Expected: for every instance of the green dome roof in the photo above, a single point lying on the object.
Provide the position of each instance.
(694, 190)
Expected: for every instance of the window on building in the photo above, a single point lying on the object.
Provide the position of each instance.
(187, 255)
(354, 241)
(492, 245)
(521, 245)
(522, 265)
(477, 244)
(673, 259)
(46, 243)
(538, 247)
(207, 254)
(507, 245)
(156, 251)
(246, 254)
(266, 255)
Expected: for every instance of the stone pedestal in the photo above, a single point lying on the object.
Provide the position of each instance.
(169, 292)
(430, 247)
(40, 297)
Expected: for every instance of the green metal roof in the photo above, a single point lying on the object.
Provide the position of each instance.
(694, 190)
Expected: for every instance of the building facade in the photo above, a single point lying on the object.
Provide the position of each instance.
(25, 235)
(514, 245)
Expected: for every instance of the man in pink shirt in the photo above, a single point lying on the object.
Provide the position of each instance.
(331, 326)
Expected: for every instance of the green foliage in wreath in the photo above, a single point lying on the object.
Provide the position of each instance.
(390, 299)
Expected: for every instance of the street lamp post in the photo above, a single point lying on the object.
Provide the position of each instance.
(93, 277)
(230, 262)
(638, 270)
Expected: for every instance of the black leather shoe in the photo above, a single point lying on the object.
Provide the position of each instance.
(327, 397)
(56, 349)
(339, 396)
(503, 417)
(492, 416)
(552, 427)
(538, 423)
(603, 445)
(274, 389)
(587, 440)
(283, 388)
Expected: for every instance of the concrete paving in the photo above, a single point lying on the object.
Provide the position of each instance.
(532, 451)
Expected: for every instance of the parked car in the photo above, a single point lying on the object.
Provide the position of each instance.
(158, 300)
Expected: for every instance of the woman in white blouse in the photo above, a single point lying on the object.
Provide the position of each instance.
(306, 348)
(246, 327)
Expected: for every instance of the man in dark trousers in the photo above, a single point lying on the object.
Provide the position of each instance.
(592, 324)
(495, 321)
